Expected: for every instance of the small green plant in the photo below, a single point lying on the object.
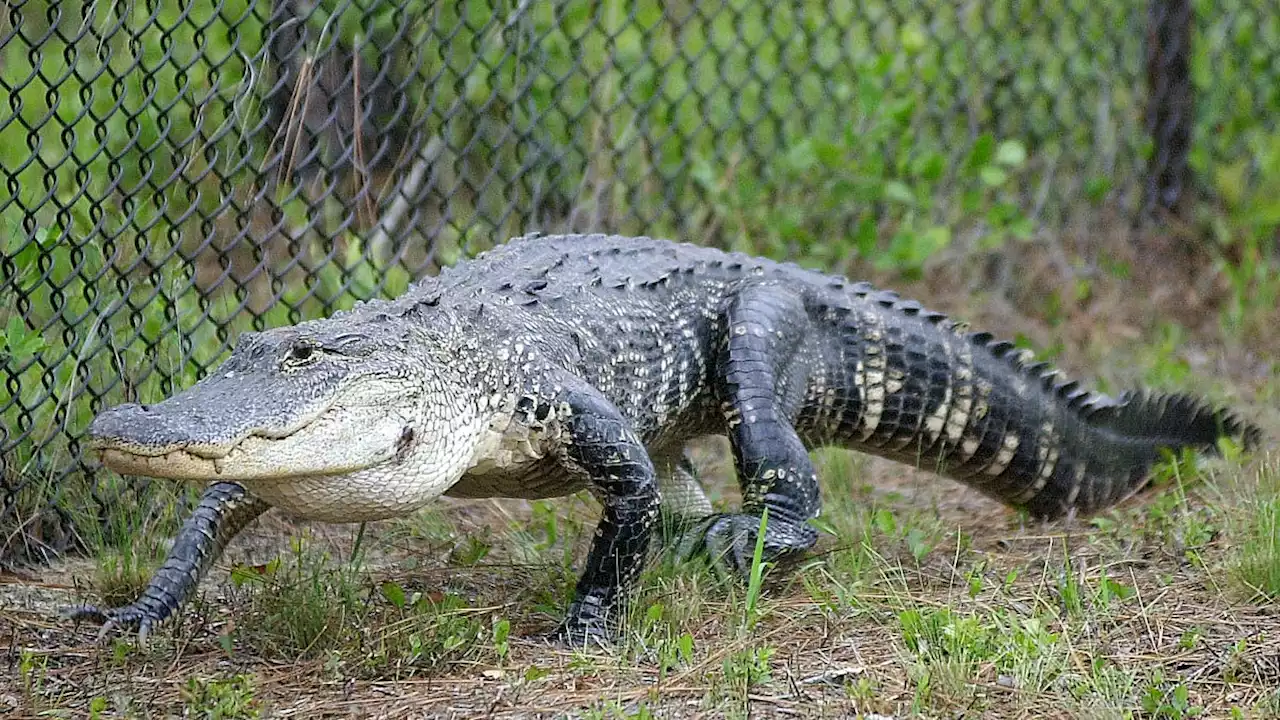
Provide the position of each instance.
(303, 607)
(742, 672)
(975, 578)
(658, 636)
(1190, 638)
(121, 577)
(428, 632)
(307, 607)
(470, 551)
(98, 707)
(501, 636)
(1027, 651)
(946, 649)
(1070, 594)
(228, 699)
(1256, 531)
(751, 609)
(1165, 700)
(1110, 591)
(33, 670)
(1105, 691)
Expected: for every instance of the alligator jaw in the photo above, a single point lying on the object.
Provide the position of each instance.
(174, 464)
(231, 464)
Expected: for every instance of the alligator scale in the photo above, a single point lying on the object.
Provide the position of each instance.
(557, 363)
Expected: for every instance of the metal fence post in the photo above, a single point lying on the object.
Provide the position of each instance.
(1170, 110)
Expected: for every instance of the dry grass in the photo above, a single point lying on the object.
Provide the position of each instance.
(927, 600)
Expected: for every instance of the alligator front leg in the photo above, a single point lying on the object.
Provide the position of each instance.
(224, 510)
(764, 329)
(600, 443)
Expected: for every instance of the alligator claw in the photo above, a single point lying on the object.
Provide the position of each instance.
(729, 540)
(130, 616)
(580, 636)
(587, 624)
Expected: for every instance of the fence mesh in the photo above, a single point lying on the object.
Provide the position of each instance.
(175, 173)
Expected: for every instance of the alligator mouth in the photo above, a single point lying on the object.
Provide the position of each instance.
(195, 450)
(243, 461)
(175, 464)
(247, 457)
(195, 459)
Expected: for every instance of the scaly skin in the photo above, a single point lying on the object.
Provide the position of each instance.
(553, 364)
(223, 511)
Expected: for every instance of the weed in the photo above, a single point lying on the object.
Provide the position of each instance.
(947, 649)
(1028, 652)
(309, 608)
(33, 670)
(470, 552)
(1256, 531)
(228, 699)
(658, 637)
(501, 636)
(1105, 692)
(740, 673)
(1165, 700)
(304, 606)
(751, 610)
(122, 576)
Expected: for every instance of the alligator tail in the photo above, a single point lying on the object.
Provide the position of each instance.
(1089, 451)
(915, 387)
(1122, 439)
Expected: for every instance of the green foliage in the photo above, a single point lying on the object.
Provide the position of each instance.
(1245, 229)
(741, 672)
(1165, 700)
(1256, 531)
(755, 581)
(306, 607)
(658, 635)
(229, 699)
(33, 669)
(122, 576)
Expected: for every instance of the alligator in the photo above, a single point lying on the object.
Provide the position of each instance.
(551, 364)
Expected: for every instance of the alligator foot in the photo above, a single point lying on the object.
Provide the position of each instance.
(588, 624)
(140, 616)
(224, 509)
(580, 637)
(729, 541)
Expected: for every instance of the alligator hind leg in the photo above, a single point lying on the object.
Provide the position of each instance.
(224, 510)
(753, 375)
(682, 493)
(684, 502)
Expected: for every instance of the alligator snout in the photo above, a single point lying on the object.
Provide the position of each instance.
(142, 430)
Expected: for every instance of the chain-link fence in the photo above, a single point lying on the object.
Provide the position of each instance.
(175, 173)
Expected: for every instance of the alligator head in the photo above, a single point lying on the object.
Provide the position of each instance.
(332, 419)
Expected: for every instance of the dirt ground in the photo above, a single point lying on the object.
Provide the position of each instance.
(826, 660)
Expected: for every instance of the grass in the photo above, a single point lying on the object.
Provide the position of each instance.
(1257, 529)
(994, 619)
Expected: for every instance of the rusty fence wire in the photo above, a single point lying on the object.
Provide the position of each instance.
(177, 172)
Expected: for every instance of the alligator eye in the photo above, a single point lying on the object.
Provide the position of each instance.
(301, 354)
